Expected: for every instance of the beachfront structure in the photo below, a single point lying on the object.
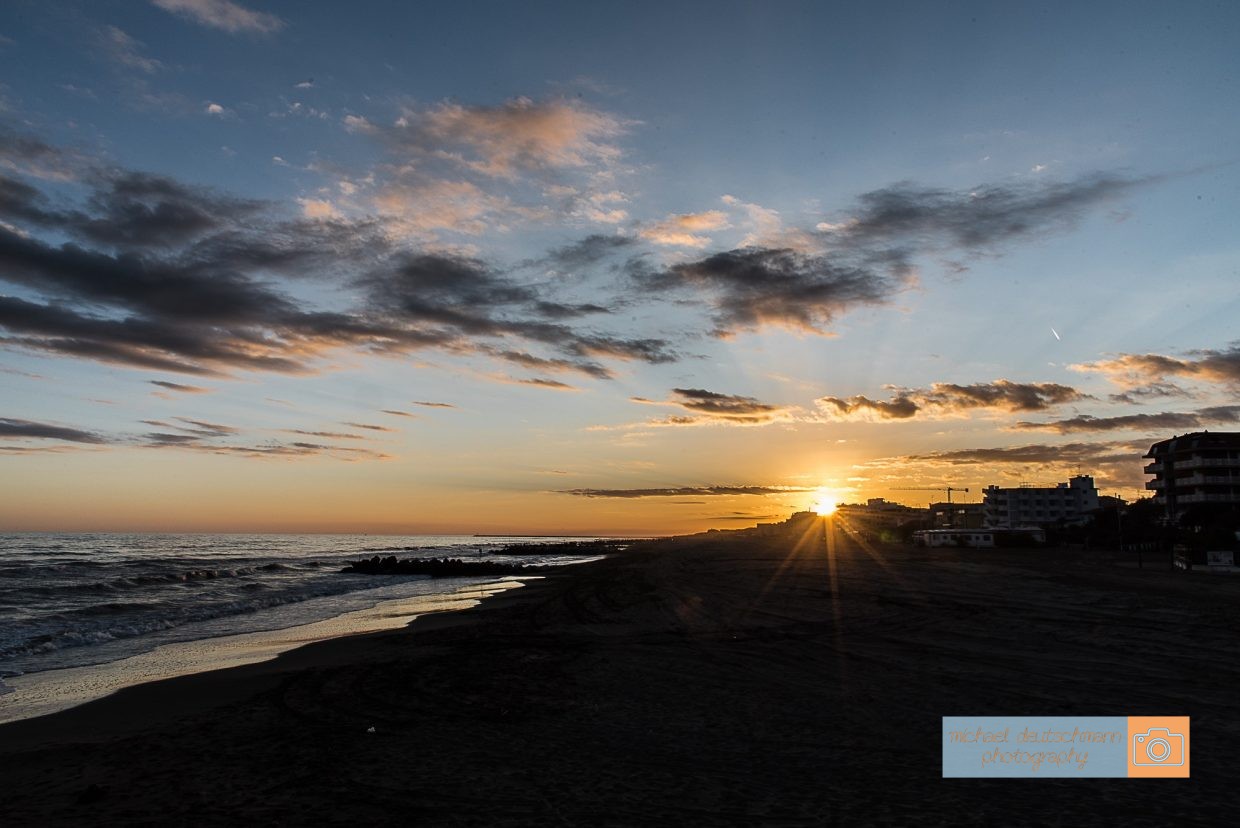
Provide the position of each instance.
(880, 512)
(1023, 506)
(978, 538)
(957, 515)
(797, 522)
(1198, 468)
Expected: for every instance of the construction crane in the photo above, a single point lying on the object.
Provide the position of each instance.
(948, 489)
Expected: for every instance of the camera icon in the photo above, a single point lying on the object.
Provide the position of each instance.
(1158, 746)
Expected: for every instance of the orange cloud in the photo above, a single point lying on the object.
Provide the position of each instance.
(682, 230)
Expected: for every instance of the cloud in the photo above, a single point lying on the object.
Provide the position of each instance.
(520, 135)
(982, 218)
(685, 491)
(396, 413)
(11, 428)
(183, 434)
(33, 157)
(1040, 454)
(369, 427)
(1136, 371)
(470, 298)
(270, 450)
(1154, 390)
(318, 209)
(180, 388)
(223, 14)
(766, 228)
(588, 251)
(160, 275)
(433, 404)
(543, 382)
(1164, 421)
(684, 230)
(805, 280)
(126, 51)
(900, 407)
(331, 435)
(129, 210)
(713, 406)
(754, 287)
(950, 398)
(216, 109)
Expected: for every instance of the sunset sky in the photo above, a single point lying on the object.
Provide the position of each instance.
(602, 268)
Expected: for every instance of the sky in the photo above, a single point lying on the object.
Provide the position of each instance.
(641, 268)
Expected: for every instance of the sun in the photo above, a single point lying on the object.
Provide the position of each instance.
(824, 502)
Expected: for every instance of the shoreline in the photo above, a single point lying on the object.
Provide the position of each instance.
(139, 706)
(46, 692)
(707, 680)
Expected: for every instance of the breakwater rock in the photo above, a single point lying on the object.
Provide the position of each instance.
(436, 567)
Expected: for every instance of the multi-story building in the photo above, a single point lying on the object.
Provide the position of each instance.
(957, 515)
(1013, 508)
(1202, 467)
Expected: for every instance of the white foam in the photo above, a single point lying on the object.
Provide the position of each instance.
(38, 694)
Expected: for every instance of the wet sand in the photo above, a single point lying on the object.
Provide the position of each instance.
(714, 680)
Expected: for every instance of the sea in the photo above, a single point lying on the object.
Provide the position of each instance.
(76, 600)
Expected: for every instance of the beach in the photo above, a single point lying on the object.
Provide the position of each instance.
(717, 679)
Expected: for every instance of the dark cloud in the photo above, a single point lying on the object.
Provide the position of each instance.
(396, 413)
(331, 435)
(206, 429)
(1164, 421)
(1218, 365)
(899, 407)
(588, 251)
(162, 275)
(543, 382)
(31, 156)
(528, 360)
(273, 449)
(981, 218)
(726, 406)
(129, 210)
(684, 491)
(369, 426)
(14, 428)
(1155, 390)
(469, 298)
(183, 433)
(1066, 454)
(556, 310)
(948, 398)
(180, 388)
(870, 257)
(426, 404)
(753, 287)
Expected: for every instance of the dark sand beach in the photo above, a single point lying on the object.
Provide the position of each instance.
(720, 679)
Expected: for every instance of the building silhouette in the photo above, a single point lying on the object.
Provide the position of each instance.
(1198, 468)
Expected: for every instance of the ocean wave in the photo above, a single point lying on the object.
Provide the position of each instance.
(146, 580)
(99, 623)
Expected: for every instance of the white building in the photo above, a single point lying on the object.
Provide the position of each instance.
(1023, 506)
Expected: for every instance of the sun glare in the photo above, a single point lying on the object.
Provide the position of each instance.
(824, 503)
